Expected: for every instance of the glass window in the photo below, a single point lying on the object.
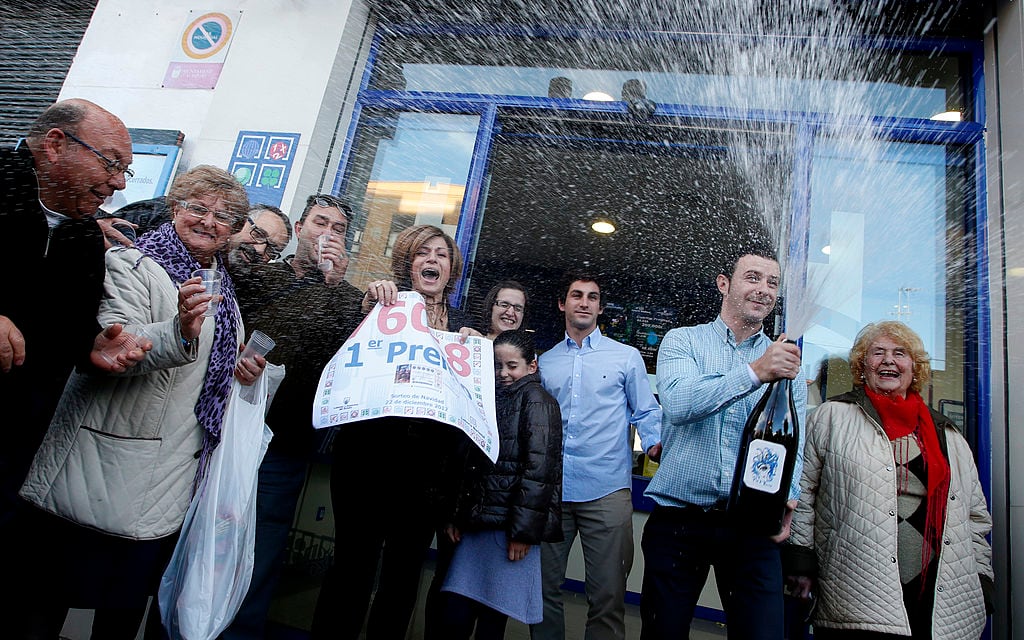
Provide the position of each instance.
(692, 71)
(887, 243)
(405, 169)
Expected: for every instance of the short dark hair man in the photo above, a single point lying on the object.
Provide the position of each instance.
(710, 377)
(309, 312)
(602, 388)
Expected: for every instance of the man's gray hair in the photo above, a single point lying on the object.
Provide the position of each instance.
(65, 115)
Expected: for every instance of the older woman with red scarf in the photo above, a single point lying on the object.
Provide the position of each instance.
(889, 534)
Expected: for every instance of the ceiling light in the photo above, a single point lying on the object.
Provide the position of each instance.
(603, 226)
(948, 116)
(827, 249)
(600, 96)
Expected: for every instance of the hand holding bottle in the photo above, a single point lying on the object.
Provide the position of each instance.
(781, 360)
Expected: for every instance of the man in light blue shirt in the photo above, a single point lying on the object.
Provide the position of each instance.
(602, 388)
(710, 377)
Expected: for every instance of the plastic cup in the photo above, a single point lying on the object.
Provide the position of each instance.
(259, 343)
(325, 264)
(131, 343)
(211, 282)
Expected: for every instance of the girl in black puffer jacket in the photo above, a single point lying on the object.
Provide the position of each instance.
(507, 512)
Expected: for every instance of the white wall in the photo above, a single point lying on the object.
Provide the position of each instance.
(288, 70)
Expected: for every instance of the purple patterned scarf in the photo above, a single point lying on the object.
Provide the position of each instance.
(166, 249)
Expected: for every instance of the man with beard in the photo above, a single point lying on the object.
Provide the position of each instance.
(710, 376)
(309, 310)
(266, 232)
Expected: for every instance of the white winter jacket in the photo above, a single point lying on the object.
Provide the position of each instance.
(122, 451)
(847, 516)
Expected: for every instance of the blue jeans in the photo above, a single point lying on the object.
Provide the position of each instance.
(680, 545)
(280, 484)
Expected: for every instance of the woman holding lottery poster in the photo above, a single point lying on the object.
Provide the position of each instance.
(385, 518)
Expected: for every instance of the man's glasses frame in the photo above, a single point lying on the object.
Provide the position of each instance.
(260, 236)
(505, 306)
(330, 202)
(199, 212)
(113, 167)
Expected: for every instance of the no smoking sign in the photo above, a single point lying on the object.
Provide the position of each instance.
(206, 36)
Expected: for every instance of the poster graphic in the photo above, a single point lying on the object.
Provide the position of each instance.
(394, 364)
(650, 324)
(261, 161)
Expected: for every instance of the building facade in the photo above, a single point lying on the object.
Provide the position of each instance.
(879, 147)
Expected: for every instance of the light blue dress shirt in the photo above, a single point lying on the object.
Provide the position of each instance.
(601, 388)
(707, 390)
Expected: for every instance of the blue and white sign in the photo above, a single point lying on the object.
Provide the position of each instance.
(262, 161)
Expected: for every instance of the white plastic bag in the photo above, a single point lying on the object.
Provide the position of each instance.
(209, 573)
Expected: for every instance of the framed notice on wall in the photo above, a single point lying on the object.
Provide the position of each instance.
(154, 166)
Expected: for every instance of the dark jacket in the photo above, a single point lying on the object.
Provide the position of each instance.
(522, 494)
(147, 214)
(308, 321)
(420, 463)
(53, 283)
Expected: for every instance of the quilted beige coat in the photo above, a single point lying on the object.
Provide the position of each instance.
(847, 517)
(121, 453)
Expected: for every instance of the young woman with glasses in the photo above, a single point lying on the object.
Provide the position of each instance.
(503, 309)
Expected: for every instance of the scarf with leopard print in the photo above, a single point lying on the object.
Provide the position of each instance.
(164, 247)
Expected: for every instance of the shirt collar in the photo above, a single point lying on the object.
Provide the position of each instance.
(52, 217)
(726, 334)
(593, 340)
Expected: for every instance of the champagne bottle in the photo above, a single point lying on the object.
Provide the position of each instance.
(764, 469)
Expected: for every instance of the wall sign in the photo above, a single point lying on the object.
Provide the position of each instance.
(200, 53)
(262, 161)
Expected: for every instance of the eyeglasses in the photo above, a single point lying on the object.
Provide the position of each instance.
(505, 306)
(330, 202)
(199, 212)
(113, 166)
(260, 236)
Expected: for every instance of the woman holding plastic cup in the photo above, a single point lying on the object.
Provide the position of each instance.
(118, 467)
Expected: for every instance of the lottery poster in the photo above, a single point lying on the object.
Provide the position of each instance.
(395, 365)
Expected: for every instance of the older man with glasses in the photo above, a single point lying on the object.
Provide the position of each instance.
(75, 155)
(310, 310)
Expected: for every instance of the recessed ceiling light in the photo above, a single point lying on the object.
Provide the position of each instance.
(603, 226)
(827, 249)
(600, 96)
(948, 116)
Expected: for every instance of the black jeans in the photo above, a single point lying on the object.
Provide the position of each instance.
(680, 546)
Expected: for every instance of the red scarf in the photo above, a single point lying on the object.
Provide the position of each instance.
(900, 418)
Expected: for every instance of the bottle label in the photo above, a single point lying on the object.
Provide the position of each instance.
(763, 468)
